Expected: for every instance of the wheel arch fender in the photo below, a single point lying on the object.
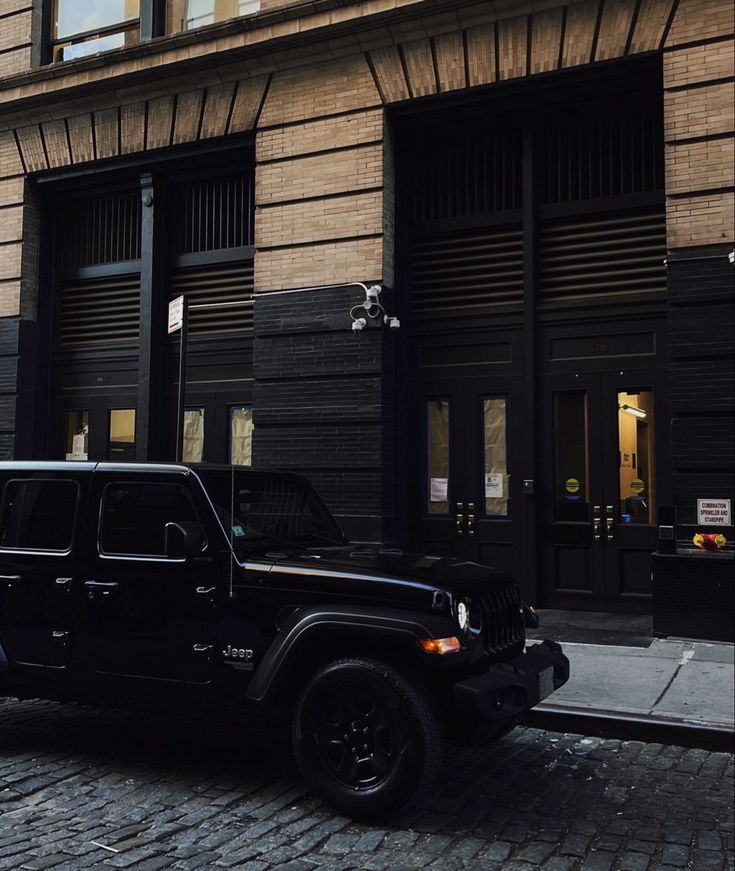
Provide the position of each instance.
(301, 634)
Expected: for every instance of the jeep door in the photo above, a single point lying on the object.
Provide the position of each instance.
(39, 513)
(145, 616)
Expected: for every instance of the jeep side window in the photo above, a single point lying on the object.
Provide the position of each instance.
(38, 515)
(134, 517)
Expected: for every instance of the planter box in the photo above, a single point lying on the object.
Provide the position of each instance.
(694, 595)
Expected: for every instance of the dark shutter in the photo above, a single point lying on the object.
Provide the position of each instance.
(466, 271)
(603, 255)
(230, 283)
(105, 309)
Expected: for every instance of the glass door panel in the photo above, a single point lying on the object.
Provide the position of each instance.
(121, 434)
(77, 435)
(636, 464)
(193, 435)
(571, 457)
(241, 435)
(495, 449)
(437, 457)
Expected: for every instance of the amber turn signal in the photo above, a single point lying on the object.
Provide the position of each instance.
(441, 645)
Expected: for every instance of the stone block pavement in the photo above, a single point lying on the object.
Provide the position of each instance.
(81, 788)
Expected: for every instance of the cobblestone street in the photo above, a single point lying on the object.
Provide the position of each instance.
(87, 789)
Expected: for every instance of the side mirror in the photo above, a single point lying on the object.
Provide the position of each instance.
(184, 539)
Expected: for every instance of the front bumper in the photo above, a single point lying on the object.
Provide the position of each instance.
(509, 689)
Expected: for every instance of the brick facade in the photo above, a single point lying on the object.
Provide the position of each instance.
(314, 85)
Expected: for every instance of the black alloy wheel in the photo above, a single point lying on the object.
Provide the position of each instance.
(358, 738)
(367, 737)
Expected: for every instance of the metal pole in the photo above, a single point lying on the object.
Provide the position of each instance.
(182, 384)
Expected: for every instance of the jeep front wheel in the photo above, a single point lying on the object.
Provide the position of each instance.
(367, 738)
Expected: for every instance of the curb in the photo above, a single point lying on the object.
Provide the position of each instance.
(631, 727)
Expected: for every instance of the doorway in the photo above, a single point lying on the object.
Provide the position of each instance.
(466, 487)
(600, 463)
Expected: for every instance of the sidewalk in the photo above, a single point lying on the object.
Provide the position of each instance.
(667, 690)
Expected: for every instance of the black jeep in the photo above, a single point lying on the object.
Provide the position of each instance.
(219, 592)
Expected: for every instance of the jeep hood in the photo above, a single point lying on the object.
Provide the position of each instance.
(387, 565)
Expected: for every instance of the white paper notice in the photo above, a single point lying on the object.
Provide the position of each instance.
(713, 512)
(493, 485)
(439, 488)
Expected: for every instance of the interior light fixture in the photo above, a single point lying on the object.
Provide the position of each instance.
(636, 412)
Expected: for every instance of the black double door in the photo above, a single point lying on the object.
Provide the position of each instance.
(466, 485)
(576, 526)
(602, 452)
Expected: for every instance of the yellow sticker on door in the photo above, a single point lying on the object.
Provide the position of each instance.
(571, 485)
(637, 486)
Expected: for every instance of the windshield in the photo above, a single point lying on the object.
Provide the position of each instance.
(270, 511)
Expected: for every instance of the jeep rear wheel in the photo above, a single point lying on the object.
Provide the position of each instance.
(367, 737)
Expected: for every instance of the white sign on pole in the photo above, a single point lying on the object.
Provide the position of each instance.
(175, 314)
(713, 512)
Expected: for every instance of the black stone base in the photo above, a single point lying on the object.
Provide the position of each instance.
(324, 403)
(694, 595)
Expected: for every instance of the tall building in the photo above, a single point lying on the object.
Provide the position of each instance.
(542, 190)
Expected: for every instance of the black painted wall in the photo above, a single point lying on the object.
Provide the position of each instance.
(323, 403)
(17, 388)
(701, 322)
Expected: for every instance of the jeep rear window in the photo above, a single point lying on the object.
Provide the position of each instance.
(134, 517)
(38, 515)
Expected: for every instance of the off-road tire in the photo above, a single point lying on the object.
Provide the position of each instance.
(398, 756)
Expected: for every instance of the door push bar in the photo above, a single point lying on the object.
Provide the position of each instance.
(597, 522)
(460, 518)
(609, 522)
(465, 523)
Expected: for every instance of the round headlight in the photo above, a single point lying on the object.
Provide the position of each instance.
(463, 616)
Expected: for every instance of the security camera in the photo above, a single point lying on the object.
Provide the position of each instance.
(731, 257)
(373, 293)
(393, 323)
(358, 324)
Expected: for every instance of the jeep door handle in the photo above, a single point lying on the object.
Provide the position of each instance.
(10, 579)
(102, 587)
(209, 592)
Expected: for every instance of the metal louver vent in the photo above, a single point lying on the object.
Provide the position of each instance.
(467, 271)
(603, 255)
(100, 310)
(230, 283)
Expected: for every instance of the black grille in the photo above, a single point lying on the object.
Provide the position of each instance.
(102, 230)
(214, 214)
(227, 285)
(469, 271)
(100, 310)
(503, 620)
(601, 255)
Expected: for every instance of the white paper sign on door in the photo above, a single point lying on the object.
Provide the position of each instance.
(439, 488)
(493, 485)
(713, 512)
